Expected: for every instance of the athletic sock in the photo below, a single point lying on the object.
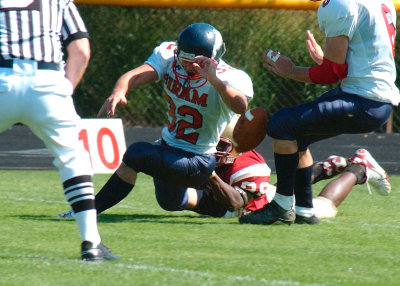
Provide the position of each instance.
(79, 193)
(114, 191)
(318, 173)
(87, 224)
(303, 191)
(359, 171)
(286, 165)
(285, 202)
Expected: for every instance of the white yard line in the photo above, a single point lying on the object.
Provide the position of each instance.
(152, 268)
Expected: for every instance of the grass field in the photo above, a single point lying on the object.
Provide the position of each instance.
(361, 246)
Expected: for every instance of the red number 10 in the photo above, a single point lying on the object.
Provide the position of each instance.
(100, 148)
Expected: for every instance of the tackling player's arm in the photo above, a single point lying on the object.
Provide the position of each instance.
(234, 99)
(232, 198)
(139, 76)
(331, 69)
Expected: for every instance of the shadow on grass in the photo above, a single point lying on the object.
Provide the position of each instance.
(140, 218)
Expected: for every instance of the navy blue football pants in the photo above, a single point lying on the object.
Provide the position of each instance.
(173, 171)
(334, 112)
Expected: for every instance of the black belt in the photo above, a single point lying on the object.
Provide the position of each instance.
(40, 65)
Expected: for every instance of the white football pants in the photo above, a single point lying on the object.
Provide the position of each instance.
(42, 100)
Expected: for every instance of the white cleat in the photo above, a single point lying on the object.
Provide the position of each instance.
(331, 167)
(375, 174)
(67, 214)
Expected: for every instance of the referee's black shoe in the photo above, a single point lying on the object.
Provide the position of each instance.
(100, 252)
(271, 213)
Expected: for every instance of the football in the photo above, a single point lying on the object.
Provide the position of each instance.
(250, 129)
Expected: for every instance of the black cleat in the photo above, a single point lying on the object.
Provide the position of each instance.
(306, 220)
(100, 252)
(271, 213)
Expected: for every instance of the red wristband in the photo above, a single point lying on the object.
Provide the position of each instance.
(328, 72)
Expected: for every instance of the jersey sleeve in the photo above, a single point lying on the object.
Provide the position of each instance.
(338, 18)
(161, 58)
(236, 78)
(73, 27)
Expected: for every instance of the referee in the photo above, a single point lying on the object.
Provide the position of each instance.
(36, 88)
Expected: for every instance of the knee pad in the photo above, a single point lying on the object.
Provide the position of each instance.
(170, 204)
(138, 156)
(282, 124)
(170, 197)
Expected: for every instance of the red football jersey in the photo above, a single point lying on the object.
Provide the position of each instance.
(250, 173)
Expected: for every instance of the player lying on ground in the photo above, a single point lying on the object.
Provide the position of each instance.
(241, 183)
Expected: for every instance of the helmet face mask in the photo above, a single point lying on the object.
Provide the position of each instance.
(224, 151)
(226, 144)
(192, 80)
(198, 39)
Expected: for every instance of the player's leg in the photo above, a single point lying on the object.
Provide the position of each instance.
(118, 187)
(52, 117)
(333, 194)
(177, 198)
(303, 190)
(159, 161)
(170, 165)
(10, 108)
(362, 168)
(174, 171)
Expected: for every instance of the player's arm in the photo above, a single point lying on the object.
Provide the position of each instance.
(77, 60)
(232, 198)
(139, 76)
(332, 68)
(234, 99)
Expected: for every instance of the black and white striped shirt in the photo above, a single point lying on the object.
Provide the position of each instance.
(37, 29)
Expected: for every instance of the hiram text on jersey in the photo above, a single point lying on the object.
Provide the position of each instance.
(185, 92)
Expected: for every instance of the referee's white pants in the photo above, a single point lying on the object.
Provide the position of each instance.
(42, 100)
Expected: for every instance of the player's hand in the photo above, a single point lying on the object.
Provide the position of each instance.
(278, 64)
(111, 103)
(314, 49)
(206, 67)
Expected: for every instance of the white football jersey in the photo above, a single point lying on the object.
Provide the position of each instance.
(370, 26)
(197, 115)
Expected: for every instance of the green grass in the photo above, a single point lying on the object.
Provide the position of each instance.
(361, 246)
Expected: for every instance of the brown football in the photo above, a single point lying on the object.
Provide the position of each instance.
(250, 129)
